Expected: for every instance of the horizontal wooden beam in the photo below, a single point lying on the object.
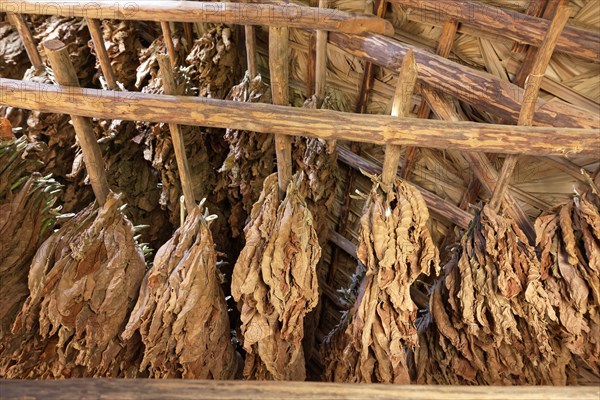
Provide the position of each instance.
(479, 89)
(511, 24)
(183, 389)
(325, 124)
(290, 15)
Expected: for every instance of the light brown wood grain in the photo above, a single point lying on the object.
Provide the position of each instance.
(101, 54)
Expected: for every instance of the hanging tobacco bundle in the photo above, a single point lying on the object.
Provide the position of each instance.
(276, 281)
(568, 237)
(13, 62)
(491, 320)
(83, 282)
(181, 312)
(396, 248)
(26, 220)
(250, 158)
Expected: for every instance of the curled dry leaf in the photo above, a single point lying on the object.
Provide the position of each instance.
(181, 312)
(276, 281)
(250, 158)
(396, 248)
(491, 321)
(26, 220)
(83, 283)
(569, 241)
(13, 62)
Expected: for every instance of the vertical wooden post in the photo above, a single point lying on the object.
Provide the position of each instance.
(98, 40)
(166, 30)
(405, 87)
(19, 23)
(185, 176)
(321, 60)
(65, 75)
(444, 47)
(250, 50)
(532, 89)
(279, 68)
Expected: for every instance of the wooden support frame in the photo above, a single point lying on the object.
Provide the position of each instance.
(325, 124)
(289, 15)
(65, 74)
(185, 389)
(98, 40)
(19, 23)
(514, 25)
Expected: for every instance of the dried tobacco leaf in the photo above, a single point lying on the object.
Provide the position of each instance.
(396, 248)
(276, 281)
(250, 158)
(26, 220)
(181, 312)
(13, 62)
(491, 321)
(83, 282)
(568, 238)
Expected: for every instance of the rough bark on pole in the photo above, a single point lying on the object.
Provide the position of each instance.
(405, 87)
(532, 89)
(443, 50)
(279, 68)
(98, 40)
(65, 75)
(19, 23)
(166, 30)
(185, 176)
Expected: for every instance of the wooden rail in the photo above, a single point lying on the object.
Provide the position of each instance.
(134, 389)
(511, 24)
(290, 15)
(325, 124)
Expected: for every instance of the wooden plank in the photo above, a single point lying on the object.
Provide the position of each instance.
(290, 15)
(511, 24)
(183, 389)
(65, 74)
(98, 40)
(20, 25)
(479, 89)
(325, 124)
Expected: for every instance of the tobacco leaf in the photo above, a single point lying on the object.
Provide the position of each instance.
(396, 248)
(26, 220)
(181, 312)
(275, 280)
(490, 319)
(83, 283)
(13, 62)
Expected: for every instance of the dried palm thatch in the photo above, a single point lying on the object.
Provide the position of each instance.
(568, 238)
(275, 279)
(251, 155)
(396, 248)
(492, 322)
(83, 282)
(26, 220)
(181, 312)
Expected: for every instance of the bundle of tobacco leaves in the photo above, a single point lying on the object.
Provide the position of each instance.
(275, 280)
(83, 283)
(215, 59)
(251, 156)
(13, 62)
(26, 220)
(122, 45)
(491, 320)
(396, 248)
(181, 313)
(568, 238)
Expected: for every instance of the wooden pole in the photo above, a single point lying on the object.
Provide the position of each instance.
(279, 69)
(98, 40)
(443, 50)
(65, 75)
(298, 16)
(532, 89)
(166, 30)
(325, 124)
(19, 23)
(185, 176)
(251, 50)
(405, 87)
(321, 60)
